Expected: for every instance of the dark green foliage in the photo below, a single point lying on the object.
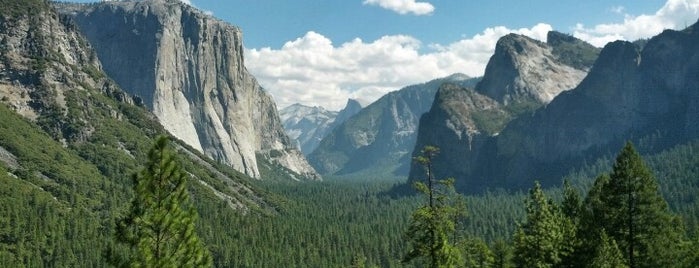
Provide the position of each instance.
(430, 227)
(160, 225)
(502, 254)
(607, 253)
(476, 254)
(572, 51)
(543, 239)
(629, 208)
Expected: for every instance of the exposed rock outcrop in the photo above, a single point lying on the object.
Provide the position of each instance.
(381, 136)
(188, 68)
(526, 72)
(648, 96)
(522, 75)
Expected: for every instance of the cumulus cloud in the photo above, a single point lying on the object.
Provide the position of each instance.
(313, 71)
(675, 14)
(403, 6)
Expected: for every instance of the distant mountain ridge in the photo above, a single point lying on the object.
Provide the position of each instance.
(649, 96)
(380, 137)
(309, 125)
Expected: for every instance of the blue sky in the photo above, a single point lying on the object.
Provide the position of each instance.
(321, 52)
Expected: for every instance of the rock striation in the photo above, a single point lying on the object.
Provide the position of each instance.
(188, 69)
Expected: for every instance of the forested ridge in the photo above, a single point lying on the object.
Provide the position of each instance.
(57, 208)
(68, 186)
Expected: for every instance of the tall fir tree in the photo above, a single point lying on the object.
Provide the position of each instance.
(629, 208)
(432, 224)
(502, 254)
(160, 225)
(542, 239)
(606, 254)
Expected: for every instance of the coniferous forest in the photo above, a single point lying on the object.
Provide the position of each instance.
(90, 178)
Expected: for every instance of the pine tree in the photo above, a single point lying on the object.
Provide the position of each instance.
(607, 253)
(541, 240)
(502, 254)
(477, 254)
(160, 225)
(628, 205)
(432, 224)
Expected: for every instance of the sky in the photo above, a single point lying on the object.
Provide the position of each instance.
(322, 52)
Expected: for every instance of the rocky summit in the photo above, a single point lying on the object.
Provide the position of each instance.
(647, 95)
(188, 69)
(522, 75)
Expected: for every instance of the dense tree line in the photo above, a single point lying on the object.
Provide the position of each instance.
(60, 206)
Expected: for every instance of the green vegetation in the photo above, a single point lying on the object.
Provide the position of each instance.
(572, 51)
(545, 237)
(160, 224)
(430, 232)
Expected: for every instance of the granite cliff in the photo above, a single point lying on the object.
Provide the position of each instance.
(522, 75)
(188, 69)
(381, 136)
(647, 95)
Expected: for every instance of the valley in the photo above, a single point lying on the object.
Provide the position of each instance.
(555, 142)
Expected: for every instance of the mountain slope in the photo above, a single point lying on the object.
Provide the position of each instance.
(69, 140)
(309, 125)
(188, 68)
(649, 96)
(522, 75)
(381, 135)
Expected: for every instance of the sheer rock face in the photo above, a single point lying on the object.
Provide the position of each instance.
(524, 70)
(648, 95)
(381, 136)
(522, 75)
(188, 69)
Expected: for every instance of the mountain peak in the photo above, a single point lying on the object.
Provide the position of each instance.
(527, 73)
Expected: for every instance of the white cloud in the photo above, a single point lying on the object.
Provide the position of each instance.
(403, 6)
(675, 14)
(313, 71)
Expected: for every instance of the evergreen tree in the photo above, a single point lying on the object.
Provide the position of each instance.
(433, 223)
(571, 209)
(607, 254)
(502, 254)
(541, 240)
(629, 207)
(477, 254)
(160, 225)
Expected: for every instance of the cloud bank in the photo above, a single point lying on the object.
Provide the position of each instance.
(403, 6)
(675, 14)
(313, 71)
